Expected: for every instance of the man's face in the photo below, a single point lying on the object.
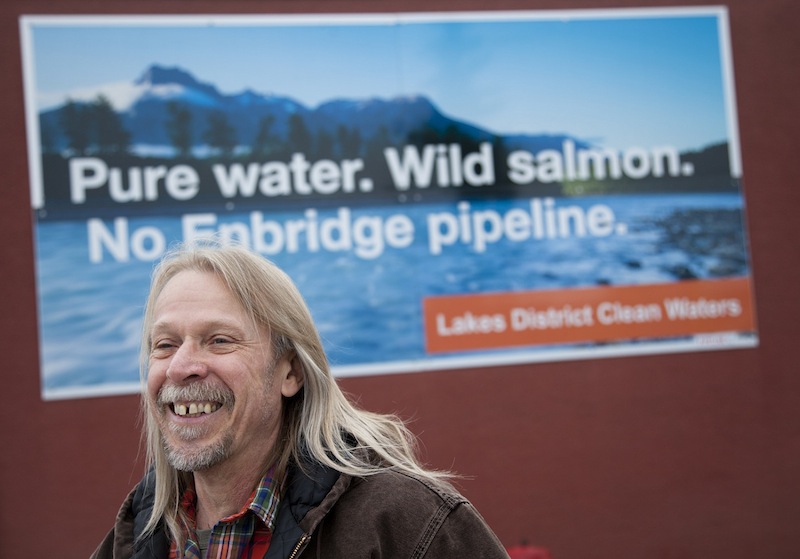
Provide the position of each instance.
(213, 383)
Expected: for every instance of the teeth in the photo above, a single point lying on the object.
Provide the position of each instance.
(195, 408)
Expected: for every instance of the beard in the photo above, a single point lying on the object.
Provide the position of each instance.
(183, 450)
(198, 458)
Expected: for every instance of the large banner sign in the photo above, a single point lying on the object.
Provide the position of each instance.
(447, 189)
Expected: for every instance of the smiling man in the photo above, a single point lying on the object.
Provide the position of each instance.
(252, 447)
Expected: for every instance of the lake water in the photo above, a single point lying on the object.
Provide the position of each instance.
(369, 311)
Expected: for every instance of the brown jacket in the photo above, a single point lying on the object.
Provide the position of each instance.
(331, 516)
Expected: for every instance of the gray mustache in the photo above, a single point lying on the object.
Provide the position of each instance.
(194, 392)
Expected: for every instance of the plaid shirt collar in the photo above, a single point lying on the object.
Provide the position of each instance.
(264, 501)
(266, 498)
(235, 532)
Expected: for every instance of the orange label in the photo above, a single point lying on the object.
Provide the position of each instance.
(599, 314)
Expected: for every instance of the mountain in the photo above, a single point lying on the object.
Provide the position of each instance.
(156, 76)
(142, 106)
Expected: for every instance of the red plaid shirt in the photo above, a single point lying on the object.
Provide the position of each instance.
(245, 534)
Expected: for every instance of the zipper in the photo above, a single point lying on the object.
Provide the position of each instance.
(303, 539)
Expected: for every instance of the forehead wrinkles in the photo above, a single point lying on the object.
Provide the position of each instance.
(239, 314)
(204, 324)
(199, 297)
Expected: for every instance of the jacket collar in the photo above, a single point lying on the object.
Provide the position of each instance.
(311, 491)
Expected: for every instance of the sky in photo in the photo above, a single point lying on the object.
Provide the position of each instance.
(639, 79)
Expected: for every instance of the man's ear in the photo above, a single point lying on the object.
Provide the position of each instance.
(293, 377)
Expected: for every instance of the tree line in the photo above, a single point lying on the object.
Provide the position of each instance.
(96, 128)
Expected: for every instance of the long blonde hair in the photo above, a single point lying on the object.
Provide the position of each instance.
(319, 422)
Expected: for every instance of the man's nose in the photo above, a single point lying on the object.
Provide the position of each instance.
(187, 363)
